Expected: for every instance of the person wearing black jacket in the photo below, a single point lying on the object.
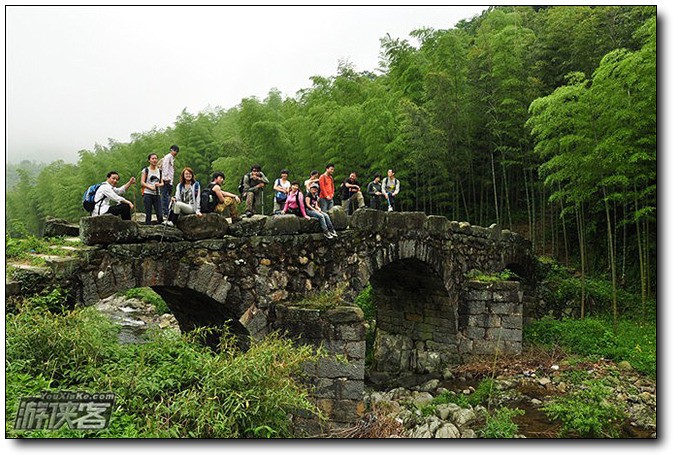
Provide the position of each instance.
(375, 192)
(350, 193)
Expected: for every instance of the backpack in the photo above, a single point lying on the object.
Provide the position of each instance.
(281, 196)
(89, 198)
(209, 199)
(146, 171)
(241, 186)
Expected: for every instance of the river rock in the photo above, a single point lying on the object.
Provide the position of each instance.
(421, 399)
(447, 430)
(430, 385)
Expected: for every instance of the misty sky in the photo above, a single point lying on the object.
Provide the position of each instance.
(76, 76)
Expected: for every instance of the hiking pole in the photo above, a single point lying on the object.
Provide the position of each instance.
(165, 223)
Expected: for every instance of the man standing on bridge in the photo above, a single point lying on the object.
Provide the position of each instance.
(326, 182)
(167, 166)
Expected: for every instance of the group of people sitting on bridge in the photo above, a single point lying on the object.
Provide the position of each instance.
(189, 198)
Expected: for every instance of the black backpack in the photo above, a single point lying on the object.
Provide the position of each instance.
(209, 199)
(241, 186)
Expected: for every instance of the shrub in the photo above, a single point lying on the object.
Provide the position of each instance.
(324, 300)
(561, 287)
(148, 296)
(634, 342)
(500, 424)
(586, 412)
(482, 395)
(504, 275)
(170, 386)
(365, 300)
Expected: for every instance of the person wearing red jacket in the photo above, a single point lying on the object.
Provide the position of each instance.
(326, 182)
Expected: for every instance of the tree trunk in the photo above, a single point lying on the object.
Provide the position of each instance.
(641, 263)
(612, 259)
(580, 236)
(495, 188)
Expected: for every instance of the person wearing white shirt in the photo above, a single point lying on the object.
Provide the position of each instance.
(167, 167)
(109, 192)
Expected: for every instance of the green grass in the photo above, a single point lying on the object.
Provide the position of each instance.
(504, 275)
(323, 300)
(170, 387)
(634, 342)
(500, 424)
(586, 412)
(25, 247)
(147, 295)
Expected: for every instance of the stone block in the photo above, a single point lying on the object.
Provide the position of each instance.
(62, 267)
(475, 333)
(310, 226)
(338, 217)
(209, 226)
(504, 308)
(123, 275)
(346, 410)
(495, 232)
(436, 225)
(405, 221)
(355, 350)
(55, 227)
(324, 388)
(514, 321)
(159, 233)
(248, 227)
(478, 231)
(344, 314)
(106, 229)
(367, 219)
(333, 368)
(503, 334)
(443, 337)
(349, 389)
(281, 225)
(351, 332)
(473, 307)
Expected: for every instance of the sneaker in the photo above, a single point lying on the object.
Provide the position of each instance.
(328, 235)
(248, 214)
(167, 223)
(390, 208)
(334, 234)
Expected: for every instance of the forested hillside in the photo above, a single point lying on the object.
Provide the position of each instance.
(541, 119)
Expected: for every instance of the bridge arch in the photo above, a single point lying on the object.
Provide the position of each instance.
(416, 296)
(197, 295)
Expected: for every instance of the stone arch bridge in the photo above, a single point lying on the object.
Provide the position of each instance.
(251, 275)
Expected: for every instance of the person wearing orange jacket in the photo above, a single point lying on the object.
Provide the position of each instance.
(326, 182)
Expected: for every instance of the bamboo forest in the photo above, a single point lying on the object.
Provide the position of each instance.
(539, 119)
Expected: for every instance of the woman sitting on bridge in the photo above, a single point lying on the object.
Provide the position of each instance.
(187, 199)
(295, 202)
(313, 210)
